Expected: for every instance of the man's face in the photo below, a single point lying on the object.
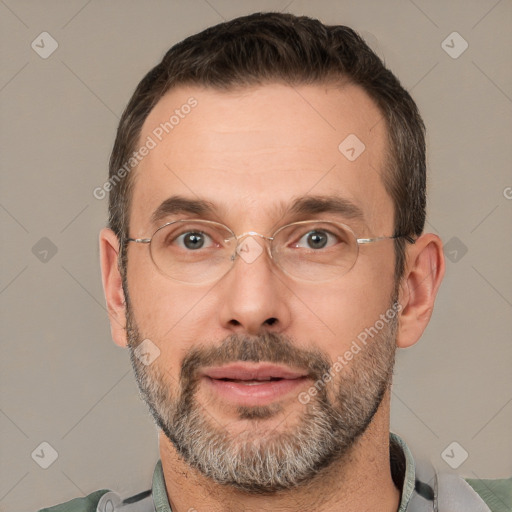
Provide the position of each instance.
(251, 154)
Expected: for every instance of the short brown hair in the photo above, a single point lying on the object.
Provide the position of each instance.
(266, 48)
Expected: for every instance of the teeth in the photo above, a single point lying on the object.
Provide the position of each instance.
(253, 382)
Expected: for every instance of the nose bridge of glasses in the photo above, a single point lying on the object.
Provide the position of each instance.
(239, 246)
(252, 233)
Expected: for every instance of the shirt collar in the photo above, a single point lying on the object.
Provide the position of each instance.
(409, 476)
(162, 503)
(159, 492)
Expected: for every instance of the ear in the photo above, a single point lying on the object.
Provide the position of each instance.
(422, 277)
(112, 286)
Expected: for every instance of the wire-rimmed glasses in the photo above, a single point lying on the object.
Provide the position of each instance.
(201, 251)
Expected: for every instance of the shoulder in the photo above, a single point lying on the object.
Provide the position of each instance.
(86, 504)
(497, 494)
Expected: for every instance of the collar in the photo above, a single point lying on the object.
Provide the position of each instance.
(402, 467)
(397, 444)
(159, 492)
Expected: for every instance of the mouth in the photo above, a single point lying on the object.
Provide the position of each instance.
(253, 383)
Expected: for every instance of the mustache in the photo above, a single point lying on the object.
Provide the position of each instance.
(267, 347)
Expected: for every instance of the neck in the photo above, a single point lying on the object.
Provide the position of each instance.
(359, 482)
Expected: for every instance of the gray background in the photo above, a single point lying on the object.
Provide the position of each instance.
(63, 381)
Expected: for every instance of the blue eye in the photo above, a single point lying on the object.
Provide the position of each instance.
(317, 239)
(193, 240)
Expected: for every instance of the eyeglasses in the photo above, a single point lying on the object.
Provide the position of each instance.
(201, 251)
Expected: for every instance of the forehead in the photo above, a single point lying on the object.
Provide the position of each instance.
(251, 151)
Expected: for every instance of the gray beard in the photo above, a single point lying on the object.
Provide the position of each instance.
(260, 460)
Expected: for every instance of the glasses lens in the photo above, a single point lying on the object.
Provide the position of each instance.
(315, 250)
(193, 251)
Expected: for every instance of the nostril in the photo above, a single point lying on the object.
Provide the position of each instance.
(271, 321)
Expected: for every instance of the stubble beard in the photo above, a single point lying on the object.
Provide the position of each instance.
(264, 460)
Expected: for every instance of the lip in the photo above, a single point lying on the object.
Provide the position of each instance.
(252, 371)
(249, 384)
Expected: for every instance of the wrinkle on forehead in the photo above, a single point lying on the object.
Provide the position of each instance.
(268, 144)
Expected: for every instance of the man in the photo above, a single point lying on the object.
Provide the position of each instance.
(264, 258)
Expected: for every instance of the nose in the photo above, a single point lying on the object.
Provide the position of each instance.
(254, 295)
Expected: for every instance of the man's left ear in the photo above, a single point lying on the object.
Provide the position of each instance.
(424, 271)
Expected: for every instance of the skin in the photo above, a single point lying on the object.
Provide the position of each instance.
(248, 151)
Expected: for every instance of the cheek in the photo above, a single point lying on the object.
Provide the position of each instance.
(344, 308)
(161, 312)
(172, 315)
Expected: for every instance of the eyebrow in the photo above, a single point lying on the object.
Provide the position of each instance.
(313, 205)
(179, 204)
(303, 206)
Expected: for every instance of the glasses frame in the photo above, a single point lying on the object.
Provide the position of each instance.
(359, 241)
